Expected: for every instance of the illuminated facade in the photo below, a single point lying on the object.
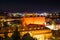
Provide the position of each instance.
(33, 20)
(43, 34)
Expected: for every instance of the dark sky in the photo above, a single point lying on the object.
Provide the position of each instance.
(30, 6)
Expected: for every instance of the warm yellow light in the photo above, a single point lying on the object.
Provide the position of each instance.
(9, 34)
(33, 20)
(39, 37)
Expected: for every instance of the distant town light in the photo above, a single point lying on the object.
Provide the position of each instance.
(45, 14)
(42, 14)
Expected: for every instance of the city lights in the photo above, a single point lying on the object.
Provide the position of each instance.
(36, 24)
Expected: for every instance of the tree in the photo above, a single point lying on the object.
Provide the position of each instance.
(53, 24)
(16, 35)
(1, 38)
(27, 37)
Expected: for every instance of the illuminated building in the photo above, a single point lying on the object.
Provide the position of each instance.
(33, 20)
(36, 31)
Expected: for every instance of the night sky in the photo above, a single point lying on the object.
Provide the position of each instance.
(30, 6)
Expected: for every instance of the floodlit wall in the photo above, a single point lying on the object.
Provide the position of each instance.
(33, 20)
